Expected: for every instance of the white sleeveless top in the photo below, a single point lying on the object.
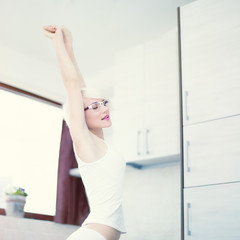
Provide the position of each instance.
(103, 181)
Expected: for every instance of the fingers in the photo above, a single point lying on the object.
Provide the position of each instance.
(48, 34)
(50, 28)
(49, 31)
(53, 32)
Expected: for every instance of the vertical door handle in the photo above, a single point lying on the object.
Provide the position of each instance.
(147, 150)
(138, 143)
(189, 232)
(186, 105)
(187, 144)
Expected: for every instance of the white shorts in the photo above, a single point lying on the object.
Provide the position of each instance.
(84, 233)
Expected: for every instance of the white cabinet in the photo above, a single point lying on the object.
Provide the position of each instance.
(128, 102)
(212, 212)
(161, 96)
(210, 36)
(146, 114)
(211, 152)
(210, 60)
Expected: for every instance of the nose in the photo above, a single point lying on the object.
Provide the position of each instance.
(104, 108)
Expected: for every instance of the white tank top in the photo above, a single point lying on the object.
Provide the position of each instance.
(103, 181)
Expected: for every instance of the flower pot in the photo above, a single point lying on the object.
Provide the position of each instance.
(15, 205)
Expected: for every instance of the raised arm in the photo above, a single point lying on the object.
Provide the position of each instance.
(73, 82)
(67, 38)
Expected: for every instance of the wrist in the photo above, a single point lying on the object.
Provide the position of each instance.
(58, 42)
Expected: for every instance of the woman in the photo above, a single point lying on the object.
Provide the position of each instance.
(101, 167)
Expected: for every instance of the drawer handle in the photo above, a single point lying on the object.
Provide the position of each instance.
(138, 139)
(187, 155)
(147, 133)
(186, 110)
(189, 232)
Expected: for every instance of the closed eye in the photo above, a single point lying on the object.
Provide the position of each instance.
(95, 106)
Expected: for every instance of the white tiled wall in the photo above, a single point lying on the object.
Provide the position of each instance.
(30, 229)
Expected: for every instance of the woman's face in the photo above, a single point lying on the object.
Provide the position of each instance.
(99, 117)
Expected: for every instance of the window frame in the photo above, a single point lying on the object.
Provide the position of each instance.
(18, 91)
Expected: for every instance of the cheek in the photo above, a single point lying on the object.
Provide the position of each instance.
(91, 118)
(88, 117)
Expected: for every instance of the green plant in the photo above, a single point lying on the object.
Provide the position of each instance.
(13, 190)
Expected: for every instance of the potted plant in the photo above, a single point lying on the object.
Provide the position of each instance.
(15, 201)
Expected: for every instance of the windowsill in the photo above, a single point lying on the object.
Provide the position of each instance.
(32, 215)
(28, 229)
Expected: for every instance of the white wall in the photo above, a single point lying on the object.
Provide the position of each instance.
(29, 73)
(100, 29)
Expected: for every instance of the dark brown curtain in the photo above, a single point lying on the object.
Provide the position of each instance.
(72, 205)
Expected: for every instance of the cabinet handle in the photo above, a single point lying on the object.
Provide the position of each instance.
(187, 155)
(189, 233)
(186, 111)
(138, 139)
(147, 133)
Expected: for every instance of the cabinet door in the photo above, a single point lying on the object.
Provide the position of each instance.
(146, 91)
(127, 110)
(212, 212)
(211, 152)
(210, 34)
(127, 135)
(161, 98)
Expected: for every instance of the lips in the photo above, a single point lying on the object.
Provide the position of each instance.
(106, 117)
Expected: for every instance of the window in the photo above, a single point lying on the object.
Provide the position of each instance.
(30, 133)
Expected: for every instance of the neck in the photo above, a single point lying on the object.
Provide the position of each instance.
(98, 132)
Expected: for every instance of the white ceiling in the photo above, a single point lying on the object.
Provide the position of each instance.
(99, 28)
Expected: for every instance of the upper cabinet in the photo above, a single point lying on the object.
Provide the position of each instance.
(146, 109)
(210, 61)
(128, 102)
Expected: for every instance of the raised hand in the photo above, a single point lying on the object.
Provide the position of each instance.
(53, 32)
(61, 34)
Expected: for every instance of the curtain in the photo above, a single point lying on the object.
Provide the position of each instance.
(72, 205)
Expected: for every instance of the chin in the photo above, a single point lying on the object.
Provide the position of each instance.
(107, 125)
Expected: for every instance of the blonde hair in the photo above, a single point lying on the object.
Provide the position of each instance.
(93, 93)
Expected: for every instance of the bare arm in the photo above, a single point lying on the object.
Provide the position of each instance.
(67, 38)
(73, 82)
